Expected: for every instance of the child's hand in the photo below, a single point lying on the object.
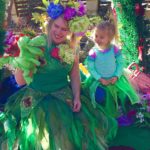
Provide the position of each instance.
(113, 80)
(104, 81)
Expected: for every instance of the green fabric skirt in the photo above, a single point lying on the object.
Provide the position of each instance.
(42, 121)
(116, 94)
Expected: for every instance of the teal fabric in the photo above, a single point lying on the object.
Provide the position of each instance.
(105, 64)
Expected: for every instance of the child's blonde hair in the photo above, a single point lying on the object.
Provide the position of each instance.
(108, 26)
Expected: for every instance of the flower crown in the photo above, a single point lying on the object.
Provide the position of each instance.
(74, 13)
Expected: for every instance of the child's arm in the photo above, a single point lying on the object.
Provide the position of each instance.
(91, 65)
(119, 62)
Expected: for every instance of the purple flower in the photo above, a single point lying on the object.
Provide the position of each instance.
(124, 120)
(81, 10)
(55, 10)
(69, 13)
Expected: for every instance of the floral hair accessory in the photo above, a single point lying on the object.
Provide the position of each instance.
(69, 13)
(74, 13)
(81, 10)
(55, 10)
(78, 25)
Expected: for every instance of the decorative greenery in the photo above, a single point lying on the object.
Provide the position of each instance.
(2, 31)
(29, 32)
(128, 32)
(40, 19)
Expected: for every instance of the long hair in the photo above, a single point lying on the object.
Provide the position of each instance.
(70, 39)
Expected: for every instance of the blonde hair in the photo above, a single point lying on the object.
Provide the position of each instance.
(108, 26)
(71, 38)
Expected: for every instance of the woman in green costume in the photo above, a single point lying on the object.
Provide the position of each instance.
(47, 113)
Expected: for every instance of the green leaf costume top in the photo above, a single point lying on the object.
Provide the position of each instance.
(52, 75)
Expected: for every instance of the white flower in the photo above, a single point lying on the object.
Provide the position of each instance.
(139, 115)
(141, 120)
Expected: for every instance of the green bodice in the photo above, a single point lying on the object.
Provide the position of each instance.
(51, 76)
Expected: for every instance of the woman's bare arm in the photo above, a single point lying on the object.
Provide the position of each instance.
(75, 84)
(19, 77)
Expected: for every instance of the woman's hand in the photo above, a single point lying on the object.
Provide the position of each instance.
(76, 105)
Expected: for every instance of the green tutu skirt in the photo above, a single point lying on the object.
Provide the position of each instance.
(116, 95)
(33, 120)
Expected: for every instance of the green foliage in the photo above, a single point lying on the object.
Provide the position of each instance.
(30, 32)
(128, 32)
(45, 2)
(40, 19)
(2, 31)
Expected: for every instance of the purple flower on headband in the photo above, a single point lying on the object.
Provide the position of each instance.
(69, 13)
(81, 10)
(55, 10)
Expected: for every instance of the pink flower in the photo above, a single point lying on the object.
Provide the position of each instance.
(55, 53)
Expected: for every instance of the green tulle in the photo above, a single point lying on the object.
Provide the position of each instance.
(51, 124)
(119, 91)
(44, 117)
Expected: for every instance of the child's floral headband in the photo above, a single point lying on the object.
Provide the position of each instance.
(74, 13)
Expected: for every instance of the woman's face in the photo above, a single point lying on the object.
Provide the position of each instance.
(59, 30)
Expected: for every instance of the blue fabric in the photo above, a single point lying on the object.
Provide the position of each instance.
(100, 95)
(8, 87)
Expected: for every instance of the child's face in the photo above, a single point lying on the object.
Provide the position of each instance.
(102, 38)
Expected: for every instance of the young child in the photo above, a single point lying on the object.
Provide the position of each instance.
(108, 86)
